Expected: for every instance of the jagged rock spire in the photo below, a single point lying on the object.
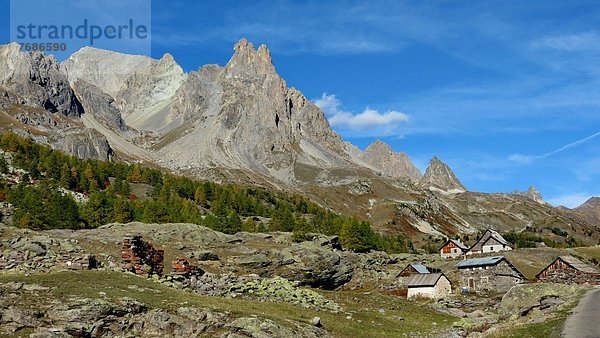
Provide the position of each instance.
(248, 60)
(439, 175)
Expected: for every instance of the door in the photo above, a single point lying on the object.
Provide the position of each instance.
(471, 283)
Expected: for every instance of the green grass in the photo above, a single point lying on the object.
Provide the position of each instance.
(590, 252)
(367, 321)
(547, 329)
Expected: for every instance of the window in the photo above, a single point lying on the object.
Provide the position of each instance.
(485, 280)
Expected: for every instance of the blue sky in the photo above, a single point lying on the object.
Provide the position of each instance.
(506, 92)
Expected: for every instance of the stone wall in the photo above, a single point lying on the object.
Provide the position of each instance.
(569, 276)
(498, 278)
(140, 257)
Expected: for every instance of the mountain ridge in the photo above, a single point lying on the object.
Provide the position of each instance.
(242, 123)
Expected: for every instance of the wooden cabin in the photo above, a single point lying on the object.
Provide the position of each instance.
(569, 270)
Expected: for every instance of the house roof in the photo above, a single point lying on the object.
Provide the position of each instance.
(575, 264)
(421, 280)
(490, 233)
(484, 261)
(457, 243)
(420, 268)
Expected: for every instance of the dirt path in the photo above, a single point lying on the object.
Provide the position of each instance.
(585, 320)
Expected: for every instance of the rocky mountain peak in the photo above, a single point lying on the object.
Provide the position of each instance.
(380, 147)
(532, 194)
(248, 60)
(168, 58)
(104, 69)
(381, 157)
(439, 176)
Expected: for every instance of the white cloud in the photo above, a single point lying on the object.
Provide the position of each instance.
(527, 159)
(369, 120)
(329, 104)
(522, 159)
(570, 200)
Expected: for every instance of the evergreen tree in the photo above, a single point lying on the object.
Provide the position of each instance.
(233, 223)
(3, 165)
(357, 236)
(123, 210)
(283, 220)
(43, 207)
(210, 221)
(249, 225)
(66, 180)
(200, 196)
(154, 211)
(98, 210)
(136, 174)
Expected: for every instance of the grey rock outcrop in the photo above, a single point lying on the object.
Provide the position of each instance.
(104, 69)
(439, 175)
(36, 78)
(318, 266)
(84, 143)
(100, 105)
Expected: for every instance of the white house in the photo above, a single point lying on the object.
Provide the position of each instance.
(430, 285)
(490, 242)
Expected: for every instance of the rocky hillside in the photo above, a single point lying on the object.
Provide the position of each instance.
(250, 285)
(73, 283)
(590, 210)
(242, 123)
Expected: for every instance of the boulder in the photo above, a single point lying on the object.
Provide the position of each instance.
(256, 261)
(205, 255)
(318, 266)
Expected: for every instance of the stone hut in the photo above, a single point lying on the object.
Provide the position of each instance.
(491, 241)
(569, 270)
(430, 285)
(453, 248)
(490, 274)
